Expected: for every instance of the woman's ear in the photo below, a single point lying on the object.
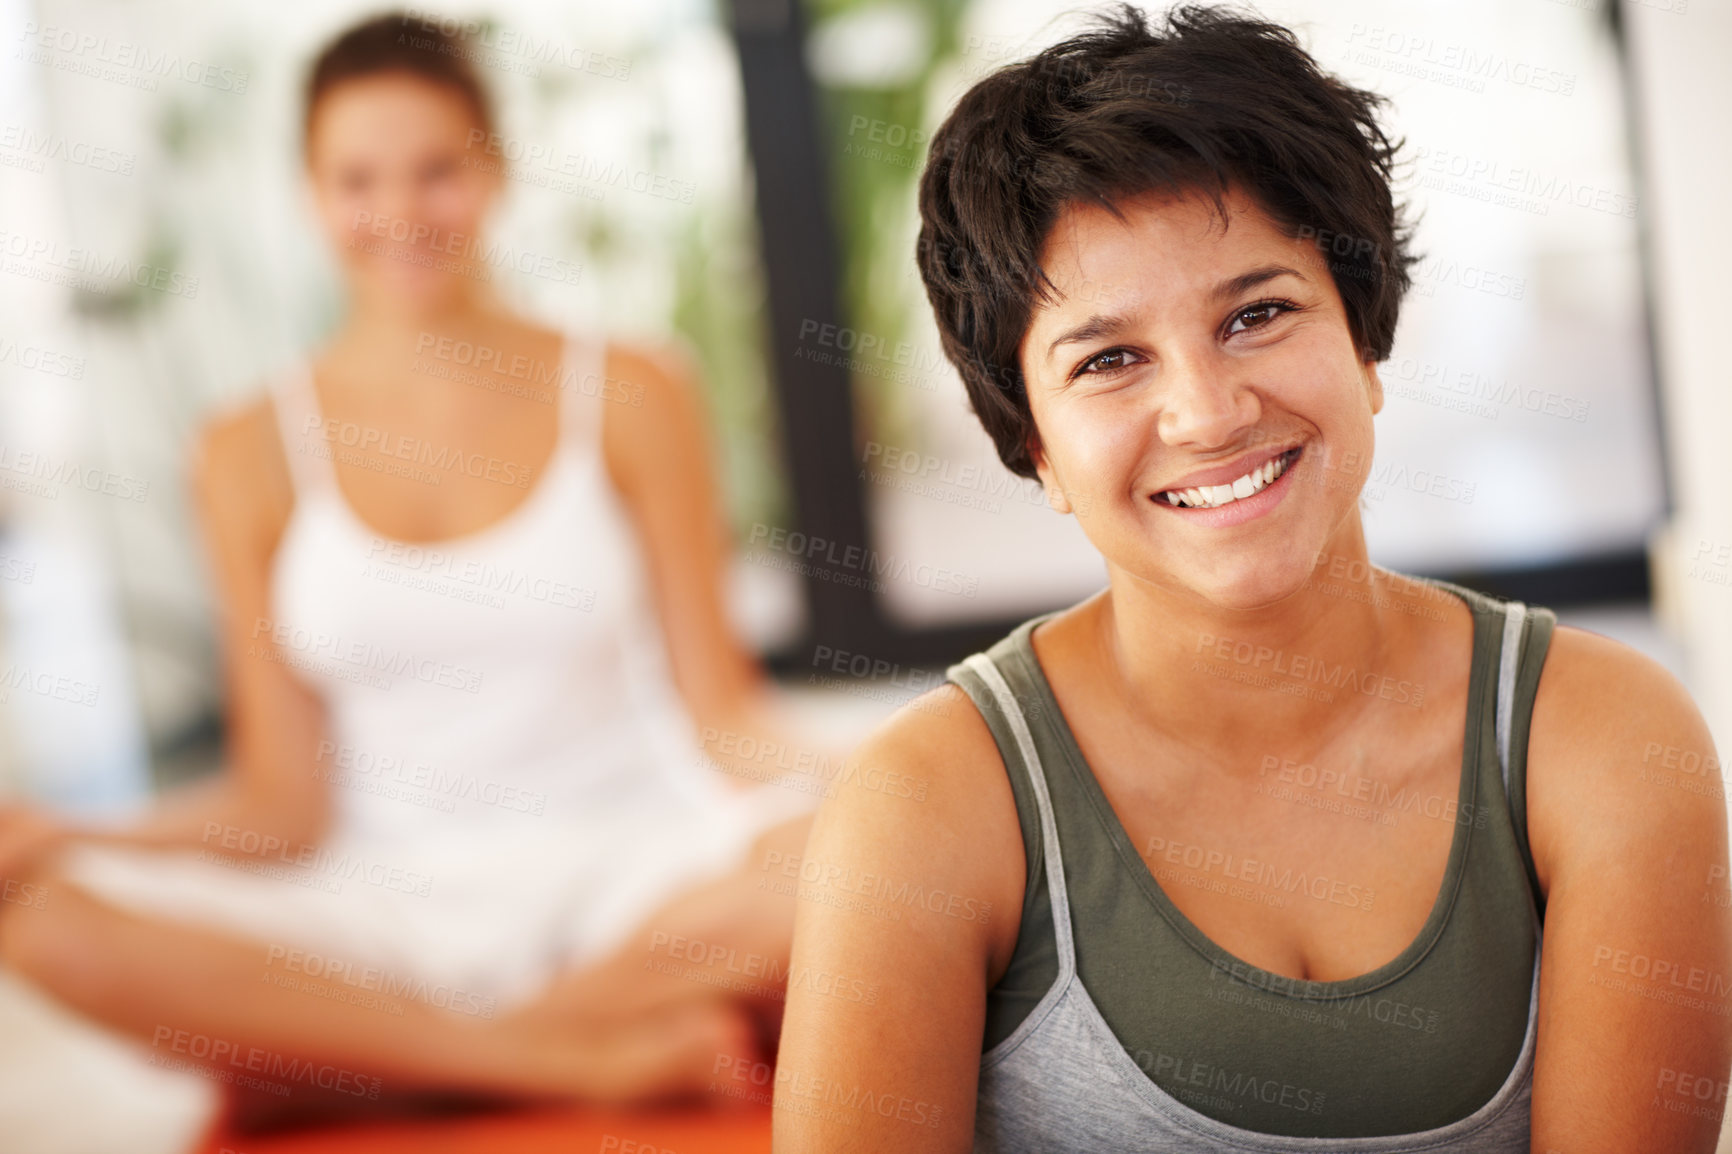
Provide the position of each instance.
(1373, 387)
(1055, 494)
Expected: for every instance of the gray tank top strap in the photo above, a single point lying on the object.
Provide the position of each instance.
(1526, 639)
(1515, 616)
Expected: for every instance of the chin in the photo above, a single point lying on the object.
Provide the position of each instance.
(1255, 584)
(416, 291)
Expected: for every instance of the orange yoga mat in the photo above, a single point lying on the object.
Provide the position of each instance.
(565, 1131)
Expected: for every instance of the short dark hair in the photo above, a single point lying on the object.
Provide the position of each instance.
(426, 48)
(1208, 99)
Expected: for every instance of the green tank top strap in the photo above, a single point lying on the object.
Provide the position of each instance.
(1535, 642)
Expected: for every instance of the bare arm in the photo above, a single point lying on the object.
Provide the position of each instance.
(268, 801)
(1635, 1033)
(659, 455)
(909, 1045)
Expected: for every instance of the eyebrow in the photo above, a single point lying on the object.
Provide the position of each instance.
(1245, 282)
(1101, 325)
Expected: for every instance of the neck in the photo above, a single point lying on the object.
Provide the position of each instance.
(389, 327)
(1284, 674)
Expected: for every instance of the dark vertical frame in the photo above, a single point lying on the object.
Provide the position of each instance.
(803, 275)
(1636, 153)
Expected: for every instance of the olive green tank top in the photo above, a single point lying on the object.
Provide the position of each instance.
(1416, 1044)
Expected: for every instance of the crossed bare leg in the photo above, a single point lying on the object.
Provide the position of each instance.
(619, 1031)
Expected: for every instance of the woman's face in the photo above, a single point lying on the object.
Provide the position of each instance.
(1183, 359)
(403, 189)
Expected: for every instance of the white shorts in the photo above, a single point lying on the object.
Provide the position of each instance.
(479, 919)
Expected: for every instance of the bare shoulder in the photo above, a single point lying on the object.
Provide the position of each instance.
(1627, 820)
(648, 386)
(1617, 752)
(650, 382)
(942, 736)
(239, 474)
(665, 364)
(1604, 704)
(244, 427)
(930, 798)
(911, 883)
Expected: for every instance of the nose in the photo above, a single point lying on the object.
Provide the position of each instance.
(397, 200)
(1205, 401)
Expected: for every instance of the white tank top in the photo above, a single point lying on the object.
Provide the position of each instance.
(519, 669)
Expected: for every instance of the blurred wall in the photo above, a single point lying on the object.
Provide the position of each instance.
(1685, 92)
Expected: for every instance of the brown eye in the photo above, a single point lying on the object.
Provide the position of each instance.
(1258, 315)
(1107, 362)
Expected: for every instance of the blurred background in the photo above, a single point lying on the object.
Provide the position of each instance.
(742, 174)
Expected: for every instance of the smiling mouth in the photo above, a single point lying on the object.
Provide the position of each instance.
(1215, 496)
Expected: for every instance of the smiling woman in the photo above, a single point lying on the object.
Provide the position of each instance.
(1270, 836)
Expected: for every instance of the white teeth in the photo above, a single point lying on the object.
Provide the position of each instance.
(1214, 496)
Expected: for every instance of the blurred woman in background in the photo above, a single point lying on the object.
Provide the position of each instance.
(471, 573)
